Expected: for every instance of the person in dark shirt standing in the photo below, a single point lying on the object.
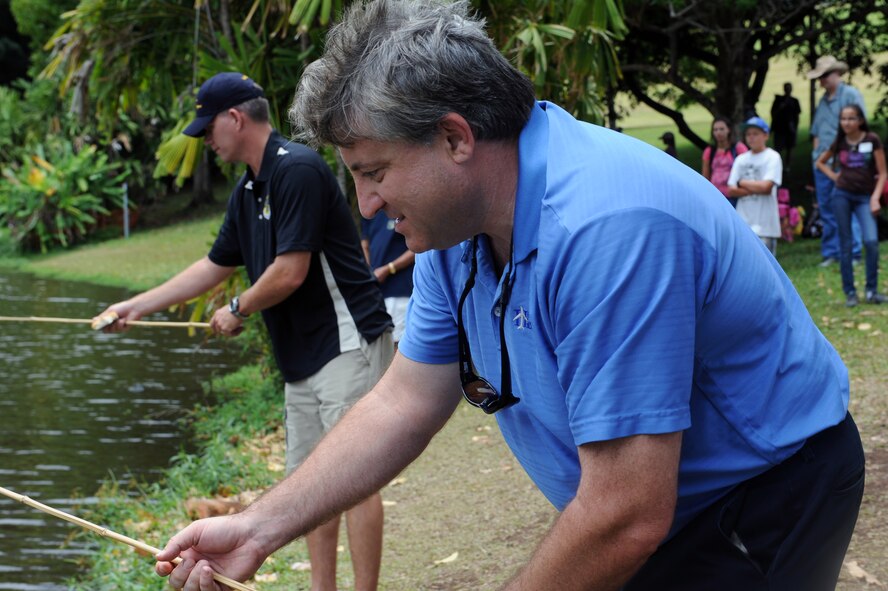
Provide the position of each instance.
(668, 139)
(392, 264)
(289, 224)
(785, 113)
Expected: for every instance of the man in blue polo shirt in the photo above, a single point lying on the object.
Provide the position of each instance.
(290, 226)
(650, 365)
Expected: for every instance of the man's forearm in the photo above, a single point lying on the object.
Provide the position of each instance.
(580, 558)
(280, 279)
(755, 187)
(623, 509)
(190, 283)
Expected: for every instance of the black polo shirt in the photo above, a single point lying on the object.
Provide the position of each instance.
(295, 205)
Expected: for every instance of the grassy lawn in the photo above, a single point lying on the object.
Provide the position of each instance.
(142, 261)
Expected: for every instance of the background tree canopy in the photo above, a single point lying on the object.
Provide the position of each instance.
(716, 53)
(120, 75)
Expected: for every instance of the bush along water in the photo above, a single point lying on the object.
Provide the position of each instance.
(55, 196)
(245, 409)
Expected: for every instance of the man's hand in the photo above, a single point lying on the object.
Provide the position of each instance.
(226, 323)
(381, 274)
(226, 545)
(125, 311)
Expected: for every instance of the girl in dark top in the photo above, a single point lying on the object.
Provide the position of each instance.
(859, 177)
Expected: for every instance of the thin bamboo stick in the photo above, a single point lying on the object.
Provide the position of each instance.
(105, 532)
(90, 321)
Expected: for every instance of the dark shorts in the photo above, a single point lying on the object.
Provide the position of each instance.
(787, 528)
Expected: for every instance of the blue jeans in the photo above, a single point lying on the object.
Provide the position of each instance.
(829, 242)
(844, 204)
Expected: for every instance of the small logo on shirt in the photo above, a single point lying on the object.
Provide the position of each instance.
(266, 209)
(282, 151)
(521, 320)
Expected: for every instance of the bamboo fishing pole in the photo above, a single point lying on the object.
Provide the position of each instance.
(105, 532)
(103, 321)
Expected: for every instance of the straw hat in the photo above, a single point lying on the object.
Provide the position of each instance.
(826, 64)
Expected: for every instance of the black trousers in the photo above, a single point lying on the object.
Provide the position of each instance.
(785, 530)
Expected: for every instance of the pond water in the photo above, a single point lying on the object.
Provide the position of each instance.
(78, 406)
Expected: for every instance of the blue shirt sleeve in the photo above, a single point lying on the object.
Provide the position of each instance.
(624, 324)
(852, 96)
(430, 334)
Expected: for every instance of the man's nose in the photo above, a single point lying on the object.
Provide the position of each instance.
(369, 202)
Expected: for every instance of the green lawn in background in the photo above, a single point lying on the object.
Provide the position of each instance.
(144, 260)
(646, 124)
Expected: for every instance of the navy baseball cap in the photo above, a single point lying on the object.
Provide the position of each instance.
(756, 122)
(219, 93)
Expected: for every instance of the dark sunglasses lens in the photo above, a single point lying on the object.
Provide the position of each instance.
(479, 391)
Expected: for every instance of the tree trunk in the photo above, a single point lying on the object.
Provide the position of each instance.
(225, 20)
(733, 77)
(202, 187)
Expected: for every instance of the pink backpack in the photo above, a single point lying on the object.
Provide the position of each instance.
(790, 217)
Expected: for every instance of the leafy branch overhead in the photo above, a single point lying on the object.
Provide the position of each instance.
(716, 53)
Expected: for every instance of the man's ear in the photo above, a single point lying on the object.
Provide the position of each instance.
(458, 136)
(238, 118)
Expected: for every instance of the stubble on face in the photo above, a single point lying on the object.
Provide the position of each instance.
(419, 186)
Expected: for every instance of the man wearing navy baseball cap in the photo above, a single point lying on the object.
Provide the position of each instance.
(222, 91)
(289, 224)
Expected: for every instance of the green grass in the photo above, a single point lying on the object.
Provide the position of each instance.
(144, 260)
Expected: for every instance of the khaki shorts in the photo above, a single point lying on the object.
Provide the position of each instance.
(313, 405)
(397, 309)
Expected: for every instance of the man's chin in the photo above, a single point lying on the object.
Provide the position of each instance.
(417, 246)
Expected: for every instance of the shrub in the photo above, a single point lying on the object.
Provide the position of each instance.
(53, 196)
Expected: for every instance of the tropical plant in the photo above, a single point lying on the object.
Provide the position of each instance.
(568, 49)
(38, 19)
(56, 199)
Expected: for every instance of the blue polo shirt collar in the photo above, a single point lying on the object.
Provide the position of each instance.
(532, 161)
(529, 194)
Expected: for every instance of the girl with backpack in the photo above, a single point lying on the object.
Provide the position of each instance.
(719, 156)
(859, 178)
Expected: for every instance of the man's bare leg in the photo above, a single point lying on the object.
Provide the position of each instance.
(365, 541)
(322, 544)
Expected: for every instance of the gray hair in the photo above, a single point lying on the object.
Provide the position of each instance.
(392, 69)
(255, 108)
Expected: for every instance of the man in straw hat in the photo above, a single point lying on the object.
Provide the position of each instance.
(289, 224)
(824, 129)
(650, 364)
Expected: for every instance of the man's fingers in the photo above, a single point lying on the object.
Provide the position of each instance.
(206, 577)
(179, 577)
